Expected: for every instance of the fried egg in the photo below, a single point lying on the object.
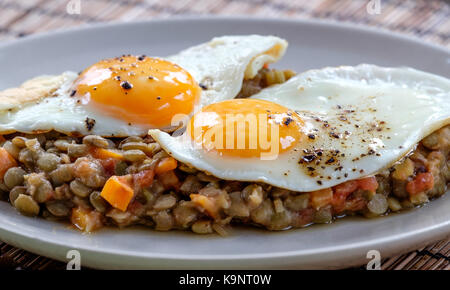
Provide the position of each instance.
(128, 95)
(322, 127)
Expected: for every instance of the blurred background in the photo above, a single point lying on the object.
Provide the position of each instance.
(428, 20)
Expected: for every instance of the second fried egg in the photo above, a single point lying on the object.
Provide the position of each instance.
(318, 129)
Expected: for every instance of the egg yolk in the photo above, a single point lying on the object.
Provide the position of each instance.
(246, 128)
(138, 89)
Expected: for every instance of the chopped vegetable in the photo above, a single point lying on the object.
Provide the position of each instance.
(101, 153)
(118, 191)
(169, 180)
(421, 183)
(321, 198)
(368, 183)
(144, 178)
(207, 203)
(6, 162)
(86, 220)
(166, 164)
(342, 191)
(346, 187)
(354, 204)
(109, 165)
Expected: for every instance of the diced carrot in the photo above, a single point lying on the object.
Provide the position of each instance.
(86, 220)
(6, 162)
(169, 180)
(101, 153)
(118, 191)
(144, 178)
(166, 164)
(205, 202)
(266, 66)
(368, 183)
(422, 182)
(321, 198)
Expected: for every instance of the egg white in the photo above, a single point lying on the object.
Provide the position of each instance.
(371, 116)
(221, 65)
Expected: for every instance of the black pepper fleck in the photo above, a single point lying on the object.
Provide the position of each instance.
(126, 85)
(308, 158)
(332, 134)
(90, 123)
(288, 121)
(329, 161)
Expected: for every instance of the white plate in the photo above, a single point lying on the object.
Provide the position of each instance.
(312, 45)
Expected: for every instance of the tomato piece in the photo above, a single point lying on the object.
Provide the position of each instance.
(109, 165)
(346, 188)
(368, 183)
(136, 208)
(169, 180)
(342, 192)
(144, 178)
(422, 182)
(355, 204)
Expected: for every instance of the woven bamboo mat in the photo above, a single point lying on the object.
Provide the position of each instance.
(426, 19)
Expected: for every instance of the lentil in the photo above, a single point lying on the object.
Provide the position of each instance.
(26, 205)
(14, 177)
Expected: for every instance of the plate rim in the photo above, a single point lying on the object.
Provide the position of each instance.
(437, 231)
